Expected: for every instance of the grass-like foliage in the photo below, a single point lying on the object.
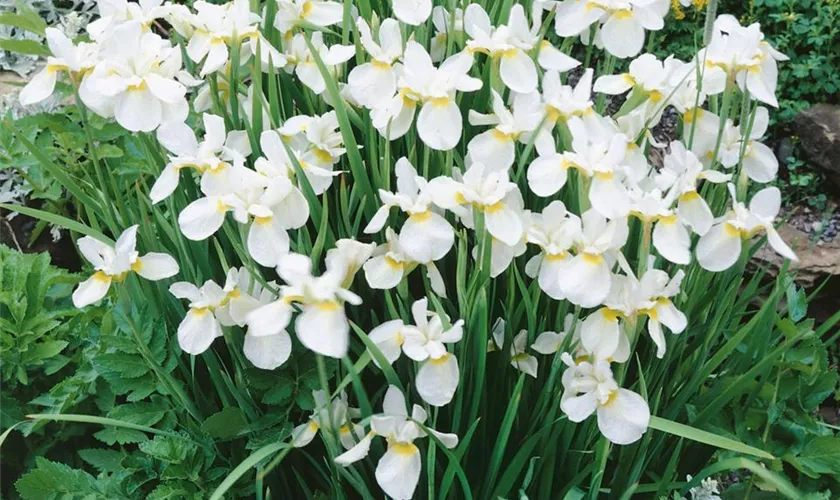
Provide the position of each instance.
(313, 224)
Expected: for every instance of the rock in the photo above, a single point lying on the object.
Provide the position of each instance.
(784, 150)
(816, 262)
(819, 132)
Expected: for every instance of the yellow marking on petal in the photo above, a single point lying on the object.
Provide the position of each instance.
(313, 425)
(399, 339)
(731, 231)
(692, 114)
(137, 266)
(623, 14)
(581, 359)
(422, 216)
(604, 176)
(138, 86)
(629, 79)
(393, 264)
(655, 96)
(592, 258)
(262, 220)
(306, 9)
(322, 155)
(403, 448)
(610, 314)
(610, 398)
(327, 305)
(459, 198)
(101, 276)
(501, 136)
(552, 114)
(380, 65)
(495, 207)
(690, 196)
(668, 219)
(554, 257)
(345, 429)
(440, 360)
(440, 101)
(52, 68)
(510, 53)
(217, 167)
(288, 299)
(520, 357)
(221, 206)
(199, 311)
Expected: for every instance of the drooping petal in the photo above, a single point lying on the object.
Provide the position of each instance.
(388, 339)
(552, 58)
(720, 248)
(156, 266)
(547, 343)
(372, 84)
(357, 452)
(436, 279)
(613, 84)
(672, 241)
(504, 223)
(779, 245)
(165, 184)
(526, 364)
(578, 408)
(599, 333)
(39, 87)
(91, 290)
(625, 419)
(269, 351)
(547, 175)
(695, 212)
(303, 434)
(269, 319)
(217, 57)
(622, 34)
(609, 197)
(323, 329)
(165, 89)
(439, 124)
(413, 12)
(383, 273)
(760, 163)
(324, 13)
(202, 218)
(493, 149)
(438, 379)
(587, 280)
(426, 237)
(197, 331)
(138, 110)
(518, 71)
(267, 241)
(550, 275)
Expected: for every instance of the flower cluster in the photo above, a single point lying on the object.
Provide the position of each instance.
(537, 101)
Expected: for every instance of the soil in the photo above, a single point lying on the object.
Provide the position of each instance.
(17, 231)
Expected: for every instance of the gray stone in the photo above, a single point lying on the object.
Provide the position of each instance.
(819, 131)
